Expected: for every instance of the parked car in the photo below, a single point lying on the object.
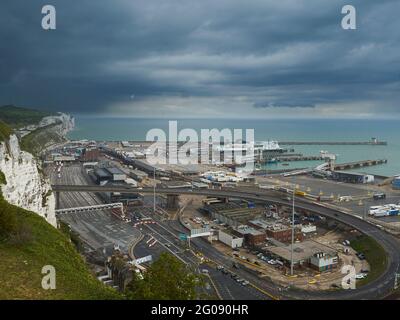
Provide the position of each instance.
(346, 242)
(379, 196)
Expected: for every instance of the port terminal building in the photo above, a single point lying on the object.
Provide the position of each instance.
(352, 177)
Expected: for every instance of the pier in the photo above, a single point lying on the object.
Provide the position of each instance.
(359, 164)
(299, 158)
(372, 142)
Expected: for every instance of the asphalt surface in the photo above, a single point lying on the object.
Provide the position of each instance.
(98, 229)
(166, 232)
(373, 290)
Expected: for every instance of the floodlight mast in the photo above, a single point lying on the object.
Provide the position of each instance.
(291, 248)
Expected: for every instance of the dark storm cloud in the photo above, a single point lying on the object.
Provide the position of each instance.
(258, 55)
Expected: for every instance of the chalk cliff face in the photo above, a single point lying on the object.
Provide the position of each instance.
(26, 187)
(66, 123)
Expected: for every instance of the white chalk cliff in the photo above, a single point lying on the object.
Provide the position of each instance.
(26, 187)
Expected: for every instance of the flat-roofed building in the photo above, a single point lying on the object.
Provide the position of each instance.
(116, 174)
(101, 176)
(231, 213)
(352, 177)
(138, 175)
(308, 253)
(230, 239)
(252, 237)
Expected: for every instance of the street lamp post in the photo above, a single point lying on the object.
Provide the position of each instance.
(291, 249)
(154, 190)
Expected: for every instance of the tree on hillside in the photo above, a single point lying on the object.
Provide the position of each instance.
(166, 279)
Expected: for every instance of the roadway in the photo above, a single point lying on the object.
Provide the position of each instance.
(166, 232)
(373, 290)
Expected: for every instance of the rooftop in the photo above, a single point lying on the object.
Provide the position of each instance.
(114, 170)
(302, 251)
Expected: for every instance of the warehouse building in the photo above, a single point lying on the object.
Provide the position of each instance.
(227, 237)
(102, 175)
(252, 237)
(138, 175)
(283, 233)
(307, 254)
(116, 174)
(90, 154)
(231, 213)
(277, 231)
(352, 177)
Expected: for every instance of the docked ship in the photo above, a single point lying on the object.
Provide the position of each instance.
(258, 151)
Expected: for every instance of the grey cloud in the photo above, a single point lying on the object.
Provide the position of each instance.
(278, 54)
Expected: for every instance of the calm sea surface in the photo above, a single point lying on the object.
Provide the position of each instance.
(97, 128)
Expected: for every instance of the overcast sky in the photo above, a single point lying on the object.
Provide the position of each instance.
(204, 58)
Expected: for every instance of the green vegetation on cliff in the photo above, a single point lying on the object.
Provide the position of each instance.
(166, 279)
(27, 243)
(19, 117)
(5, 131)
(37, 140)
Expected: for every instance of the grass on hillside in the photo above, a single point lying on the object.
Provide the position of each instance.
(19, 117)
(37, 140)
(27, 243)
(5, 131)
(374, 254)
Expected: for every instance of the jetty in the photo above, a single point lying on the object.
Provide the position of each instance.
(372, 142)
(359, 164)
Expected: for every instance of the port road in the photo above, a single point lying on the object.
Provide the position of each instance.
(373, 290)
